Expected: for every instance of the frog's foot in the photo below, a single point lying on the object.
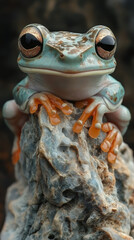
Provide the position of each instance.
(16, 150)
(95, 108)
(50, 103)
(112, 141)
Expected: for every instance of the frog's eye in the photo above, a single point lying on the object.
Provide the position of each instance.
(105, 44)
(30, 42)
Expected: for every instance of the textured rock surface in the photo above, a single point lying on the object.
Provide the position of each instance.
(65, 189)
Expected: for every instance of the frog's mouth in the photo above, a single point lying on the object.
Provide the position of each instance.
(67, 73)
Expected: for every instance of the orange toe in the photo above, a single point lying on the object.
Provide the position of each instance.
(106, 127)
(94, 132)
(105, 146)
(77, 127)
(34, 106)
(66, 109)
(54, 119)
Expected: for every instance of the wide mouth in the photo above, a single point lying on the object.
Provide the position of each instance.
(66, 73)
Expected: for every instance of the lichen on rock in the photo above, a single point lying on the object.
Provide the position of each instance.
(65, 189)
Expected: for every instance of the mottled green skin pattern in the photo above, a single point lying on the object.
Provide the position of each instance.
(78, 50)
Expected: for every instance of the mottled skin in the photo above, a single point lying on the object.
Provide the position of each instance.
(69, 67)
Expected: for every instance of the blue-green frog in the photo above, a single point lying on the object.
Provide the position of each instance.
(64, 66)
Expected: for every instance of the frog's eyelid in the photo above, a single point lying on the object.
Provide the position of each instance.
(94, 31)
(45, 32)
(97, 28)
(42, 29)
(38, 26)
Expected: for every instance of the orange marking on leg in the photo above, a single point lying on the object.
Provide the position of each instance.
(59, 104)
(16, 154)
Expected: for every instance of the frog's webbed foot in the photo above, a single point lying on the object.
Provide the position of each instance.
(16, 149)
(50, 103)
(95, 108)
(112, 141)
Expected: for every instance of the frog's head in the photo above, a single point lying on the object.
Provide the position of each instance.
(66, 53)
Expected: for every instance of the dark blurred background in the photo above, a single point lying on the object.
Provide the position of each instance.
(69, 15)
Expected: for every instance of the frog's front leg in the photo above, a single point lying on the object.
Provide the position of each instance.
(108, 100)
(28, 101)
(96, 108)
(51, 103)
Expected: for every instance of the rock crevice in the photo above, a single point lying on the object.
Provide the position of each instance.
(65, 189)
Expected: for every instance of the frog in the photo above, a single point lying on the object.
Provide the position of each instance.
(64, 67)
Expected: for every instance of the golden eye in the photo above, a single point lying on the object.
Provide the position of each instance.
(30, 42)
(105, 44)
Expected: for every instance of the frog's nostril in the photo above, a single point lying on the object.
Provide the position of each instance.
(62, 56)
(71, 57)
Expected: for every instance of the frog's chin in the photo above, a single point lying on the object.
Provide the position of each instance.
(67, 73)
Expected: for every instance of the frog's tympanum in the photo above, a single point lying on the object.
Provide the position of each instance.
(63, 66)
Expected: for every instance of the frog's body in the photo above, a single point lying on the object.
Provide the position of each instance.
(73, 67)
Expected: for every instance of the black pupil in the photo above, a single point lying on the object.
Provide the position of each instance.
(107, 43)
(29, 41)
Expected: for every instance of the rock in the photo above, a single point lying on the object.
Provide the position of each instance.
(65, 189)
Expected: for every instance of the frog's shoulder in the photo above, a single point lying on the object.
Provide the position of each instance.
(22, 92)
(112, 80)
(23, 83)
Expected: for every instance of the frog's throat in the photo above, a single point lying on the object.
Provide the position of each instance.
(67, 73)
